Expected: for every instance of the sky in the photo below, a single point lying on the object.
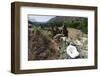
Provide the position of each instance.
(35, 18)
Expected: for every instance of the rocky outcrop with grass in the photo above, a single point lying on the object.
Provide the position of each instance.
(41, 47)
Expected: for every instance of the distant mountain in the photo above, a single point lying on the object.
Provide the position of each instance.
(67, 19)
(30, 22)
(57, 19)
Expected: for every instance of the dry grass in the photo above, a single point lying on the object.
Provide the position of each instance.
(74, 33)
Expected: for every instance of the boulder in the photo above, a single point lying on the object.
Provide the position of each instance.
(72, 51)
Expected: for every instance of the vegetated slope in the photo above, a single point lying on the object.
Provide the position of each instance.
(41, 47)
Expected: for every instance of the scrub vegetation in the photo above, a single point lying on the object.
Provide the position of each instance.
(49, 40)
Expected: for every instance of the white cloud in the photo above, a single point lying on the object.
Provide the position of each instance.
(34, 18)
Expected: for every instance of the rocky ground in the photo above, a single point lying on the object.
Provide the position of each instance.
(77, 39)
(81, 46)
(42, 47)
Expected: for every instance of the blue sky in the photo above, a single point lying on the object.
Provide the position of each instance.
(35, 18)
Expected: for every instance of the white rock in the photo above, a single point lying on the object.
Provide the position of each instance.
(84, 39)
(77, 42)
(72, 51)
(63, 38)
